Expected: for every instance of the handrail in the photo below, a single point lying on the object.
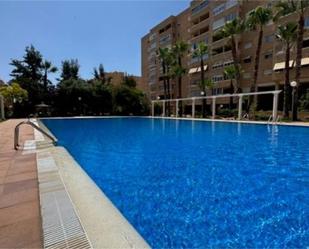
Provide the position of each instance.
(28, 122)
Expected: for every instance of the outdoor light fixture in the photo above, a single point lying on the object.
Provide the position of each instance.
(202, 93)
(79, 98)
(158, 97)
(293, 83)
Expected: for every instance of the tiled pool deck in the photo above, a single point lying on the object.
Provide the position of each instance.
(20, 219)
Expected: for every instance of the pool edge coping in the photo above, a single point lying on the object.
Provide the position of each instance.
(108, 228)
(297, 123)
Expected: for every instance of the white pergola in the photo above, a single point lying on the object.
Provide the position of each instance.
(215, 97)
(2, 107)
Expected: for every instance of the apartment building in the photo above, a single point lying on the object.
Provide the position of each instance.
(116, 78)
(201, 21)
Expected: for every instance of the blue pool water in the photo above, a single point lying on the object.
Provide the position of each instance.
(190, 184)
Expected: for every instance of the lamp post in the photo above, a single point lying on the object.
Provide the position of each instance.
(203, 105)
(293, 84)
(80, 105)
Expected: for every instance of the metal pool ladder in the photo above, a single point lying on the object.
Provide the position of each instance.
(28, 122)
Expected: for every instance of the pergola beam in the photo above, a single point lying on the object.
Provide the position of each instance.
(214, 97)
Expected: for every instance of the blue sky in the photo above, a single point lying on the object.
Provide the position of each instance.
(94, 32)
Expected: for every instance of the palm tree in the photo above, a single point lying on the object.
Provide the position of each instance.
(47, 68)
(204, 85)
(99, 74)
(284, 8)
(232, 30)
(258, 18)
(200, 52)
(163, 53)
(178, 51)
(231, 72)
(287, 34)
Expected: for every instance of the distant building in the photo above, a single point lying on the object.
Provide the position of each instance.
(116, 78)
(201, 21)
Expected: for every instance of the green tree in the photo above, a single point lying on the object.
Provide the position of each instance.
(129, 81)
(129, 101)
(69, 70)
(14, 96)
(257, 19)
(231, 72)
(27, 72)
(178, 51)
(102, 99)
(232, 30)
(166, 58)
(287, 34)
(284, 8)
(47, 68)
(163, 53)
(200, 52)
(99, 74)
(73, 97)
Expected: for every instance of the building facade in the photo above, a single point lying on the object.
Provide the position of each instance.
(201, 21)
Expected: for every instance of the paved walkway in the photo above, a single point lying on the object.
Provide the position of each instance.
(20, 219)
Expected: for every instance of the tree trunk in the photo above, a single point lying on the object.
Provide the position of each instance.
(286, 82)
(231, 92)
(168, 95)
(299, 46)
(164, 80)
(253, 99)
(179, 88)
(203, 87)
(236, 64)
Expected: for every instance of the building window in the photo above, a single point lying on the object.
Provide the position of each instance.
(218, 24)
(193, 46)
(165, 39)
(268, 38)
(228, 63)
(230, 17)
(230, 3)
(268, 55)
(217, 78)
(247, 59)
(217, 91)
(306, 42)
(217, 65)
(218, 9)
(216, 51)
(247, 45)
(246, 75)
(198, 8)
(307, 22)
(268, 72)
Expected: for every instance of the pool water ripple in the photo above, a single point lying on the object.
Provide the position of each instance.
(185, 184)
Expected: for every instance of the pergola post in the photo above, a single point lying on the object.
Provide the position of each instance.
(2, 107)
(275, 106)
(163, 111)
(213, 107)
(193, 107)
(152, 108)
(239, 107)
(177, 108)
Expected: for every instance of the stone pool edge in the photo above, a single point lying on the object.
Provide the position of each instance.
(103, 223)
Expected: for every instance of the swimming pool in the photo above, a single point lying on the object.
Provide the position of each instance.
(194, 184)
